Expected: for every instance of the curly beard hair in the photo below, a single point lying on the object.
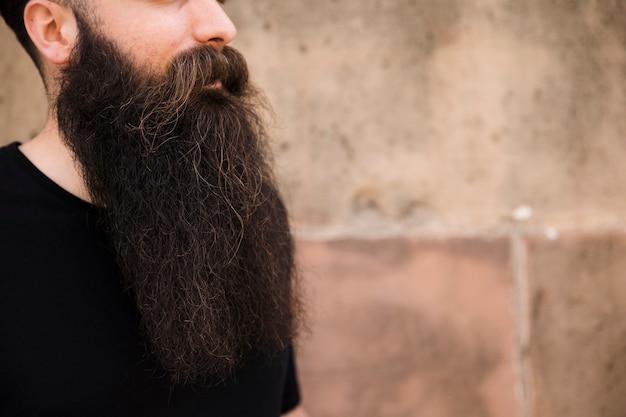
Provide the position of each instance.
(193, 215)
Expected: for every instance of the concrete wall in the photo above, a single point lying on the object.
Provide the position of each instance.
(455, 173)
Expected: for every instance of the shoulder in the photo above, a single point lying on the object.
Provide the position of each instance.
(9, 166)
(9, 152)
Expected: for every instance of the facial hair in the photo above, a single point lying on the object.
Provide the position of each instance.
(190, 206)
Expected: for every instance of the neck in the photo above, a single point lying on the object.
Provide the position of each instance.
(50, 155)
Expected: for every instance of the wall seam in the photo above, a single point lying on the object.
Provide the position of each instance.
(522, 324)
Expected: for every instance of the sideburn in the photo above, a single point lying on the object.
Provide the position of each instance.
(194, 217)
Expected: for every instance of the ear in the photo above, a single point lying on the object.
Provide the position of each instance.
(52, 28)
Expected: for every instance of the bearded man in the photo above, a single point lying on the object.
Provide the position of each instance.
(147, 262)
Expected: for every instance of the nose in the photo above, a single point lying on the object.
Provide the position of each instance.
(211, 24)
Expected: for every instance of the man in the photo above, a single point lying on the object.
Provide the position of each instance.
(147, 262)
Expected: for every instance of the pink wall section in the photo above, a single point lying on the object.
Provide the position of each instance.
(517, 325)
(405, 327)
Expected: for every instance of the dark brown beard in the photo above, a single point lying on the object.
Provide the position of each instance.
(195, 220)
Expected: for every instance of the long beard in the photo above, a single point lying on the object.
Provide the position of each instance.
(195, 221)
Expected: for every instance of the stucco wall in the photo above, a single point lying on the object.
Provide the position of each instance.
(408, 134)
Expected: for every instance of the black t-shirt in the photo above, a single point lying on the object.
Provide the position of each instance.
(70, 344)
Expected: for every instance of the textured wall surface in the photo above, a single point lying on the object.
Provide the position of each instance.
(402, 328)
(444, 114)
(22, 99)
(455, 173)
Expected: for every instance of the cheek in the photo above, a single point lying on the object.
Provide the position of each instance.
(152, 56)
(158, 52)
(151, 46)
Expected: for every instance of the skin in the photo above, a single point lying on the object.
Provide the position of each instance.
(152, 32)
(157, 30)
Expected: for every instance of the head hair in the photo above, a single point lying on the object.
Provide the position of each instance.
(13, 13)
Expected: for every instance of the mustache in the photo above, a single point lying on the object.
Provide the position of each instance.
(197, 70)
(199, 75)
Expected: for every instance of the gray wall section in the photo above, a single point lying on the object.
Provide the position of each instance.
(444, 115)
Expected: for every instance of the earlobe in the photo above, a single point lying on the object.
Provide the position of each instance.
(52, 28)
